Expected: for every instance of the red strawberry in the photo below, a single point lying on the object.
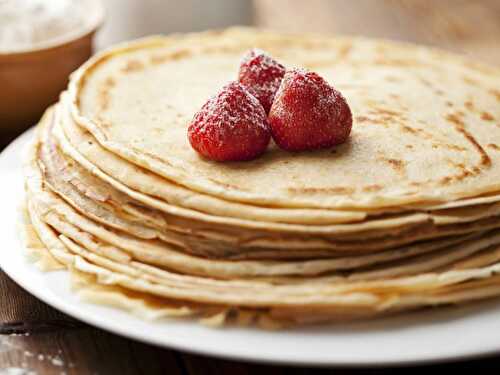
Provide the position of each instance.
(308, 113)
(231, 126)
(261, 75)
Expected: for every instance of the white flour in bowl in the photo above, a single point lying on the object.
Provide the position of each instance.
(26, 23)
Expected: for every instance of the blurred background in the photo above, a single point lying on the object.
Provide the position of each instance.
(471, 27)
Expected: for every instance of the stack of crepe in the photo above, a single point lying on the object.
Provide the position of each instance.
(405, 215)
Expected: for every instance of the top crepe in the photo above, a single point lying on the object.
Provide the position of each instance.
(426, 123)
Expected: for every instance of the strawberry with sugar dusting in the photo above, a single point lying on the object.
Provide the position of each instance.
(231, 126)
(308, 113)
(261, 75)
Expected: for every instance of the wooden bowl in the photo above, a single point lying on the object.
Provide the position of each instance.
(31, 80)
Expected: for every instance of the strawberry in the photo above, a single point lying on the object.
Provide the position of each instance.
(231, 126)
(261, 75)
(308, 113)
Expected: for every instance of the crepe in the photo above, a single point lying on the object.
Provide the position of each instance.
(88, 151)
(56, 211)
(333, 299)
(106, 216)
(405, 215)
(381, 165)
(123, 247)
(444, 217)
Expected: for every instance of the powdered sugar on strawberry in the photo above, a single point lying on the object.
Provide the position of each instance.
(261, 75)
(308, 113)
(230, 126)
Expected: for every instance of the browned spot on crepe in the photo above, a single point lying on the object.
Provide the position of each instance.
(449, 146)
(469, 104)
(464, 173)
(396, 164)
(387, 112)
(459, 125)
(179, 54)
(418, 132)
(487, 116)
(103, 94)
(175, 55)
(495, 93)
(409, 129)
(132, 66)
(344, 51)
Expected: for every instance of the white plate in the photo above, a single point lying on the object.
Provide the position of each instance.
(434, 335)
